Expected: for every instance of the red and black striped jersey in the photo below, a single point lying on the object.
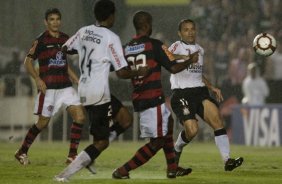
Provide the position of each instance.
(142, 51)
(53, 66)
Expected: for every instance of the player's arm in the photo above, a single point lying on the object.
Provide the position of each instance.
(190, 59)
(126, 73)
(28, 63)
(168, 59)
(72, 75)
(215, 90)
(178, 57)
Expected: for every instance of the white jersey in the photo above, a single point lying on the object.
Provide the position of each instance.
(98, 48)
(192, 76)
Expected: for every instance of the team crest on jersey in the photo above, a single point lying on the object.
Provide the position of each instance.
(59, 61)
(50, 108)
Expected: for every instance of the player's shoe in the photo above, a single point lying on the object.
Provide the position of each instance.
(231, 163)
(180, 171)
(22, 158)
(171, 174)
(116, 175)
(91, 168)
(61, 179)
(177, 156)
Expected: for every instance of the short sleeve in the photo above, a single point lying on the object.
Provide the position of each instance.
(73, 43)
(33, 51)
(174, 48)
(116, 53)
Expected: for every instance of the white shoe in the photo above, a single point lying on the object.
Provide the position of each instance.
(60, 179)
(22, 158)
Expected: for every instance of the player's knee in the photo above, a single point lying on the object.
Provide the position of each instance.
(191, 131)
(157, 143)
(81, 119)
(42, 122)
(126, 120)
(101, 144)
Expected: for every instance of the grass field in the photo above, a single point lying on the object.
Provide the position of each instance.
(261, 165)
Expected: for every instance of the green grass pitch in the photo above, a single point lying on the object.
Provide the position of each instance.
(261, 165)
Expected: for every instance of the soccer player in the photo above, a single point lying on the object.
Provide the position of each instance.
(191, 96)
(54, 84)
(122, 120)
(148, 97)
(98, 49)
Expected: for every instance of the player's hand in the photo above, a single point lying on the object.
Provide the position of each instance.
(217, 93)
(41, 85)
(143, 71)
(194, 57)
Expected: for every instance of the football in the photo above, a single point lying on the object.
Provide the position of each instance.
(264, 44)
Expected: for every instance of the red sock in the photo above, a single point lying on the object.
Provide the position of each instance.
(75, 135)
(29, 138)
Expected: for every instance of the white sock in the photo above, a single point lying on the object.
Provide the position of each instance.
(179, 144)
(222, 144)
(81, 161)
(113, 135)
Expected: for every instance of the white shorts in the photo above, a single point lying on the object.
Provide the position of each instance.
(154, 121)
(47, 105)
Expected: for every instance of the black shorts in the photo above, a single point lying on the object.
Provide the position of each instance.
(100, 118)
(116, 105)
(186, 103)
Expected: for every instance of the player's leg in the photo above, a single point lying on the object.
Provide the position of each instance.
(100, 118)
(43, 108)
(122, 118)
(21, 154)
(153, 125)
(173, 169)
(68, 97)
(78, 115)
(185, 136)
(142, 156)
(212, 117)
(185, 111)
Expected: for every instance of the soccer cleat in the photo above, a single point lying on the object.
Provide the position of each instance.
(183, 171)
(91, 168)
(22, 158)
(231, 163)
(177, 156)
(171, 174)
(61, 179)
(70, 159)
(117, 175)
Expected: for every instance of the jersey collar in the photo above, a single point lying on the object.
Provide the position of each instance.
(187, 43)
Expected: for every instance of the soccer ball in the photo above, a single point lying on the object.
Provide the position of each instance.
(264, 44)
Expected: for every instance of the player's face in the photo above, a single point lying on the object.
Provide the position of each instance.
(188, 32)
(53, 22)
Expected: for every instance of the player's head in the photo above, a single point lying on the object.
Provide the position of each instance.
(104, 11)
(53, 19)
(187, 30)
(142, 22)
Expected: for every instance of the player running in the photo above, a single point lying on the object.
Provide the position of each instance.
(53, 83)
(98, 49)
(148, 97)
(191, 96)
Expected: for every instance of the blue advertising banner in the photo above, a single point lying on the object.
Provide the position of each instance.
(257, 125)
